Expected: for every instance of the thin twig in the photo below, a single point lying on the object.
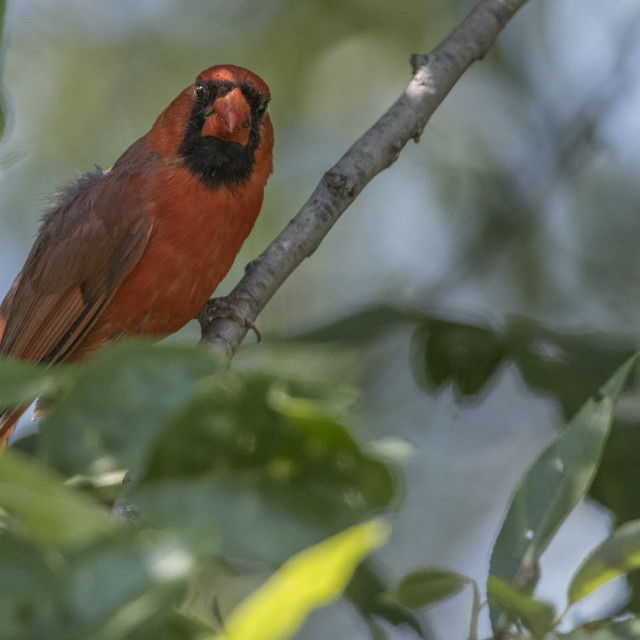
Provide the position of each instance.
(434, 76)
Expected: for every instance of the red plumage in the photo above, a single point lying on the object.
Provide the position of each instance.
(138, 249)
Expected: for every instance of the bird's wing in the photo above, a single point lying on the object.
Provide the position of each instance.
(85, 248)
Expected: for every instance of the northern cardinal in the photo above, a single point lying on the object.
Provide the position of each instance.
(139, 248)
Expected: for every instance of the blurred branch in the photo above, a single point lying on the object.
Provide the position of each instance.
(434, 75)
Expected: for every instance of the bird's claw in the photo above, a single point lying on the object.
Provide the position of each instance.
(226, 307)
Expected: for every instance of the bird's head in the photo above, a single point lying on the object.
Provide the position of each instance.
(218, 125)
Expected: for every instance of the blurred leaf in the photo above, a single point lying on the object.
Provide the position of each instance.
(120, 587)
(567, 366)
(366, 593)
(239, 457)
(604, 630)
(116, 405)
(169, 624)
(618, 554)
(550, 489)
(311, 579)
(22, 382)
(363, 326)
(536, 616)
(570, 367)
(222, 516)
(451, 352)
(309, 402)
(616, 486)
(49, 512)
(424, 587)
(28, 583)
(122, 583)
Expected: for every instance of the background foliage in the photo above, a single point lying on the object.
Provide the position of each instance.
(475, 296)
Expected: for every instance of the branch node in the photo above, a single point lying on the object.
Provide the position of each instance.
(335, 180)
(419, 60)
(396, 147)
(253, 264)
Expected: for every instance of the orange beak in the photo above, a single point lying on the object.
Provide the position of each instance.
(229, 118)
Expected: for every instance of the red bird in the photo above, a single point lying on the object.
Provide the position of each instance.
(139, 248)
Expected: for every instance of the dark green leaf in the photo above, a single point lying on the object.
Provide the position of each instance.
(424, 587)
(567, 366)
(570, 367)
(366, 591)
(464, 355)
(616, 485)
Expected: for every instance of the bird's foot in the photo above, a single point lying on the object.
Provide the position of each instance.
(226, 307)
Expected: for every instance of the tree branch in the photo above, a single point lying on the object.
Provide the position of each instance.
(434, 76)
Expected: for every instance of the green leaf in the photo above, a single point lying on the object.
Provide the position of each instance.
(604, 630)
(46, 509)
(365, 593)
(119, 587)
(550, 489)
(618, 554)
(537, 617)
(121, 583)
(222, 516)
(570, 367)
(424, 587)
(22, 382)
(117, 403)
(452, 352)
(309, 580)
(253, 452)
(29, 584)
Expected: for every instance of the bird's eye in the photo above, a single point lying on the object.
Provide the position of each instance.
(201, 91)
(262, 107)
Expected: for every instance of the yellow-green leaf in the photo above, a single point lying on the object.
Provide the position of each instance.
(311, 579)
(618, 554)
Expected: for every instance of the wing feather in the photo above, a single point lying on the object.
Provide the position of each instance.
(84, 249)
